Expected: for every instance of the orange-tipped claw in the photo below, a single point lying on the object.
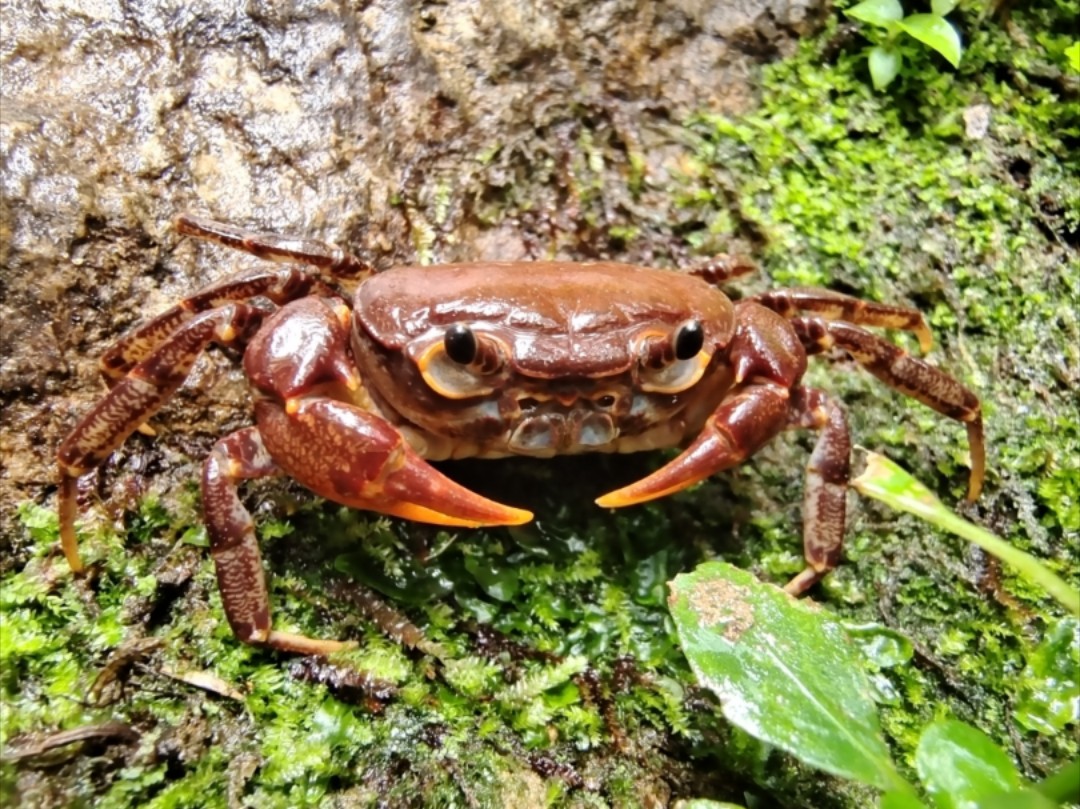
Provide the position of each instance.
(741, 424)
(356, 458)
(710, 453)
(417, 491)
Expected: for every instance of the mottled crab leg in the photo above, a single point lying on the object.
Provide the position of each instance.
(280, 286)
(835, 320)
(827, 477)
(235, 548)
(719, 269)
(274, 247)
(829, 305)
(911, 376)
(136, 397)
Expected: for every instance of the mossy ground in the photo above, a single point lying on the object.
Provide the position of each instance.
(558, 679)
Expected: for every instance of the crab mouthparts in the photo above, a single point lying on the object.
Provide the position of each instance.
(562, 431)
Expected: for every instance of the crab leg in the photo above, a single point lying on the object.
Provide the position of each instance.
(273, 247)
(748, 417)
(135, 398)
(911, 376)
(827, 476)
(828, 305)
(356, 458)
(720, 269)
(280, 286)
(235, 549)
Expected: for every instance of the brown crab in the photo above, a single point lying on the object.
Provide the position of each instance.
(490, 360)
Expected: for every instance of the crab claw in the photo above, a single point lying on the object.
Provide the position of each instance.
(736, 430)
(415, 490)
(710, 452)
(356, 458)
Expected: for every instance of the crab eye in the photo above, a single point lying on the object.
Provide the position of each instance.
(689, 340)
(672, 361)
(460, 344)
(463, 364)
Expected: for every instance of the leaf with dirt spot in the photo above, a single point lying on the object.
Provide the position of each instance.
(785, 671)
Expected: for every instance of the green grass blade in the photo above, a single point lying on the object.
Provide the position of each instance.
(885, 481)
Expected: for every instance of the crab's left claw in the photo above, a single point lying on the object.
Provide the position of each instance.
(742, 424)
(356, 458)
(710, 452)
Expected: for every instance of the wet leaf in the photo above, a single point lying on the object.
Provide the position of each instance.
(935, 32)
(943, 7)
(959, 765)
(1025, 799)
(1061, 787)
(885, 481)
(785, 671)
(1051, 694)
(882, 647)
(884, 65)
(900, 800)
(877, 12)
(1073, 54)
(501, 583)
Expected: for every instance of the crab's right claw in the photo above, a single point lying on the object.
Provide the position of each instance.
(356, 458)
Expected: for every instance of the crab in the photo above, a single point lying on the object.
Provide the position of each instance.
(491, 360)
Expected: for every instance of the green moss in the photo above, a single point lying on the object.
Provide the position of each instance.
(882, 194)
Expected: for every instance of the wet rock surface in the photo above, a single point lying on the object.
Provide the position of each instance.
(402, 130)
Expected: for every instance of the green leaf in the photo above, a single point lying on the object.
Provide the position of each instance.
(1072, 53)
(784, 670)
(943, 7)
(1061, 786)
(959, 764)
(882, 647)
(884, 65)
(935, 32)
(900, 800)
(885, 481)
(500, 583)
(1050, 695)
(1025, 799)
(877, 12)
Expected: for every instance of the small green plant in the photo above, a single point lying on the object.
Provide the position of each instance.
(794, 677)
(933, 30)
